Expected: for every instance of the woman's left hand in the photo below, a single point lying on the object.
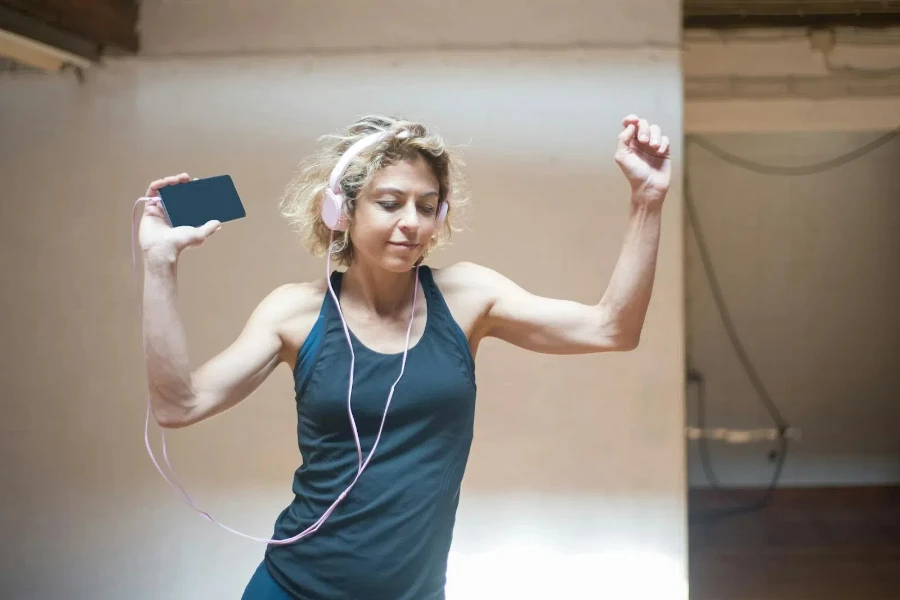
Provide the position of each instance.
(643, 155)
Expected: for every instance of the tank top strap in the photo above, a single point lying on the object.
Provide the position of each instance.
(308, 354)
(331, 313)
(336, 278)
(443, 318)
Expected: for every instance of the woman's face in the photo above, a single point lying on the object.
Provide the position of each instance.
(394, 218)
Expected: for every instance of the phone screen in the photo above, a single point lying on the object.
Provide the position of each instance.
(202, 200)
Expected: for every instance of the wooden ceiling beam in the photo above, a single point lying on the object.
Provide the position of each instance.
(105, 25)
(729, 14)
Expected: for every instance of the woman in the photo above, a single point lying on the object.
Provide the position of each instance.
(389, 341)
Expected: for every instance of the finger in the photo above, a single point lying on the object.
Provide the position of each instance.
(627, 134)
(149, 200)
(655, 135)
(155, 186)
(153, 190)
(152, 208)
(664, 145)
(643, 131)
(632, 118)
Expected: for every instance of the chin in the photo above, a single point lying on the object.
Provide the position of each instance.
(390, 259)
(399, 262)
(398, 265)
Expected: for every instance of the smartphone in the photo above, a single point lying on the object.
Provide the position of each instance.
(201, 200)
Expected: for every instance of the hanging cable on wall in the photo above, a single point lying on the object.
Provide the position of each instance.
(699, 380)
(783, 429)
(791, 171)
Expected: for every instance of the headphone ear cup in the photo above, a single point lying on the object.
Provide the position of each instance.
(441, 216)
(333, 211)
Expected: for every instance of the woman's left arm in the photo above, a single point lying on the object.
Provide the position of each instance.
(554, 326)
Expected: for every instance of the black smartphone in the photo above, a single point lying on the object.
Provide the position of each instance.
(201, 200)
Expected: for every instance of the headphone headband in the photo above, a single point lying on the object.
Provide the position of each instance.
(355, 150)
(333, 203)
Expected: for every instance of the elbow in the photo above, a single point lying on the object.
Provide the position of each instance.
(619, 332)
(630, 342)
(170, 419)
(167, 421)
(627, 339)
(169, 414)
(620, 337)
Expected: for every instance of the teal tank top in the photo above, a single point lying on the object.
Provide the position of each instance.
(390, 537)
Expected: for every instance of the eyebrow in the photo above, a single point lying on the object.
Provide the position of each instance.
(399, 192)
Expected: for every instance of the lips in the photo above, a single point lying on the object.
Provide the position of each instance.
(407, 245)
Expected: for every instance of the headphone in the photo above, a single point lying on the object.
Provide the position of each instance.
(333, 204)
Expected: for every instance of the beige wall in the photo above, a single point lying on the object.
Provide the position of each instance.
(215, 27)
(578, 463)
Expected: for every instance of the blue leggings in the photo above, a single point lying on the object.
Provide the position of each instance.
(263, 587)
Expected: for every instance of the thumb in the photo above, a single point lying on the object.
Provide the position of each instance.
(626, 136)
(209, 228)
(198, 235)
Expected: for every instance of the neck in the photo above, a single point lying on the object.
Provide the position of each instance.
(383, 292)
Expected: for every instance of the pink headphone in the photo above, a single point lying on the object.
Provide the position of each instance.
(333, 213)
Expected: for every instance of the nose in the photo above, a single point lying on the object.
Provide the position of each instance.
(409, 218)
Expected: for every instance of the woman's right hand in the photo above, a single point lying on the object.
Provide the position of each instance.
(158, 239)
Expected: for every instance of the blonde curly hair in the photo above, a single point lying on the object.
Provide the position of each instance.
(302, 200)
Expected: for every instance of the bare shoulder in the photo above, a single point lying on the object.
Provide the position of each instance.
(470, 290)
(289, 301)
(291, 311)
(462, 280)
(471, 280)
(462, 273)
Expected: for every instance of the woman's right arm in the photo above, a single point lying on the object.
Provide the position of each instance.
(179, 396)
